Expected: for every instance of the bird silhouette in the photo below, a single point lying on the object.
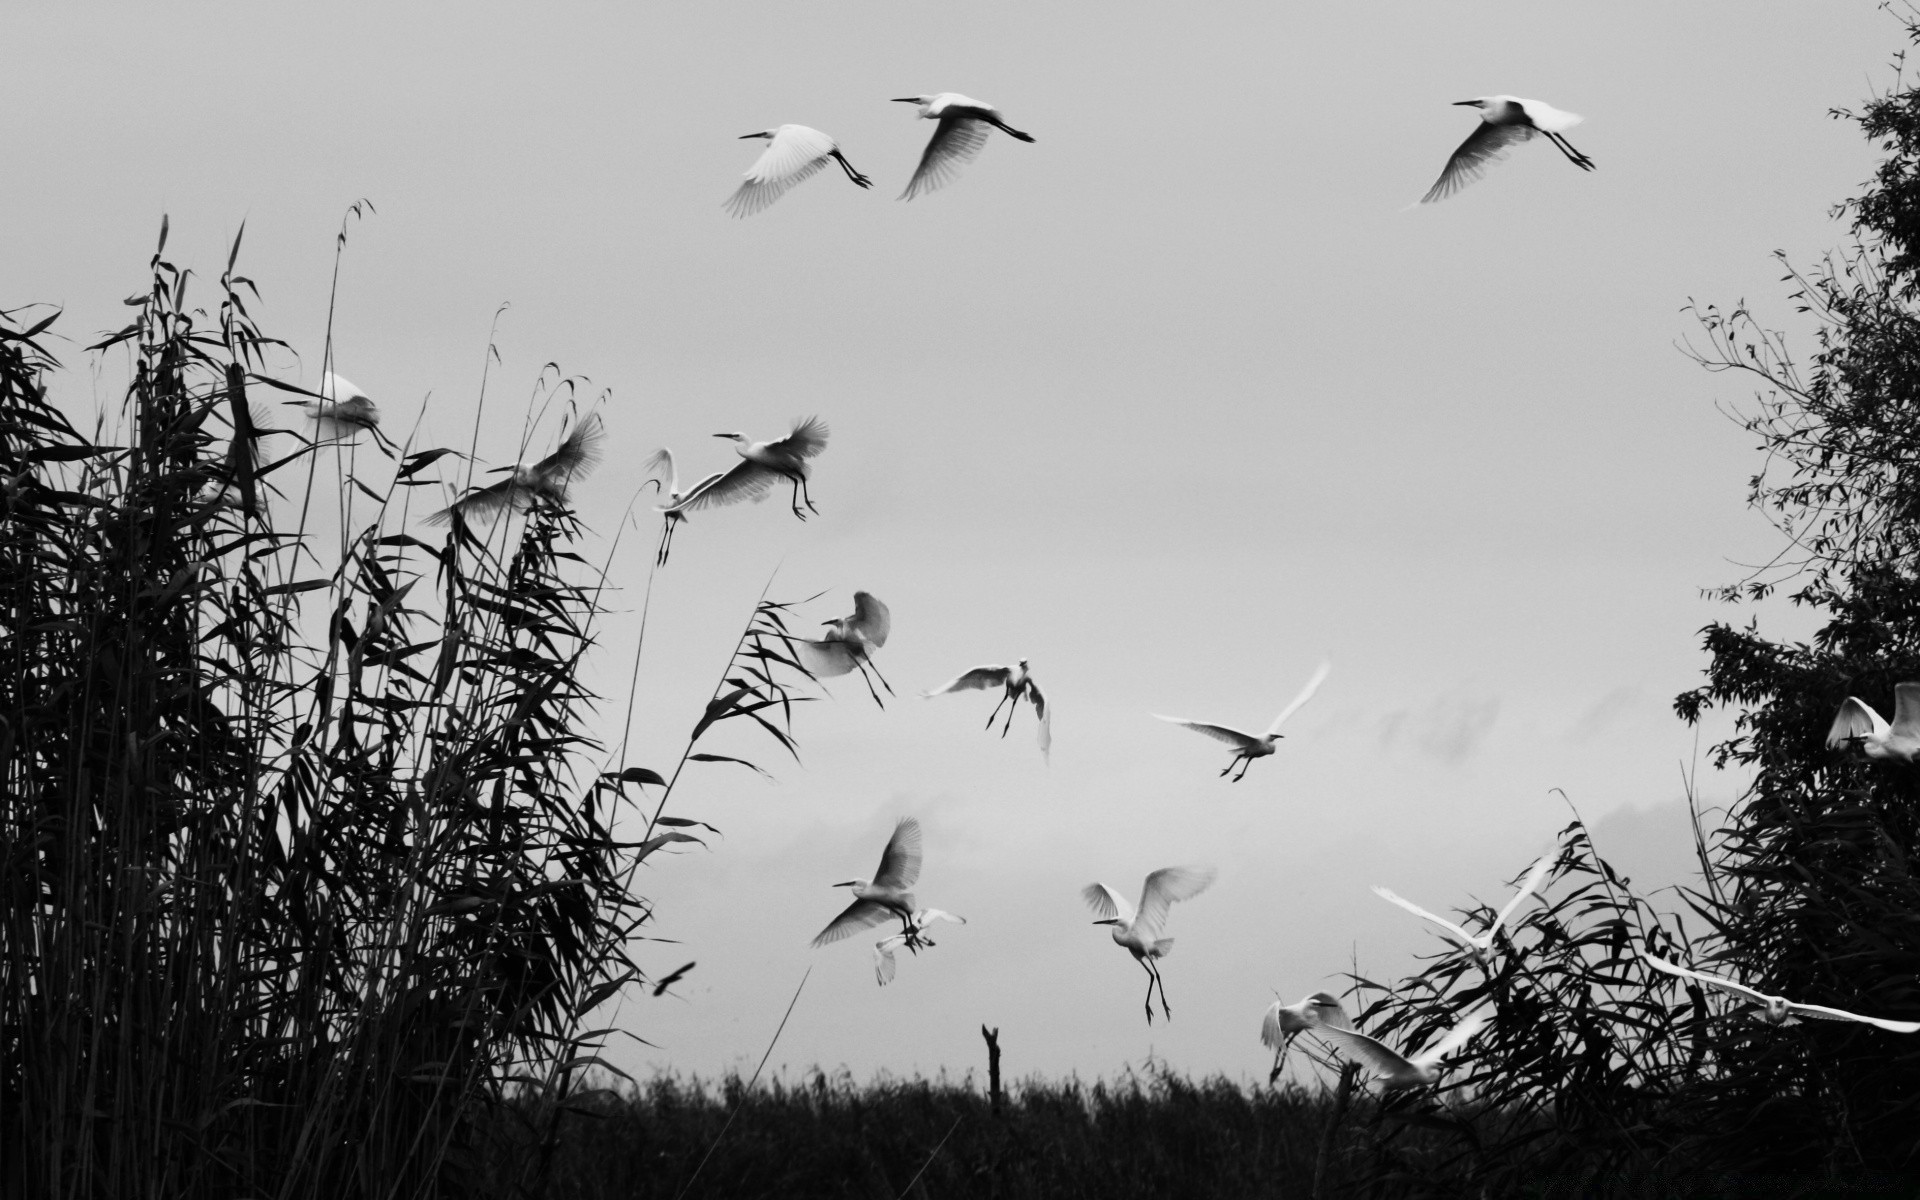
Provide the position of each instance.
(529, 484)
(956, 141)
(888, 893)
(1015, 683)
(1394, 1069)
(1248, 746)
(1505, 122)
(1138, 930)
(1479, 945)
(341, 409)
(1857, 727)
(850, 642)
(1776, 1010)
(793, 154)
(666, 477)
(913, 937)
(1284, 1022)
(761, 463)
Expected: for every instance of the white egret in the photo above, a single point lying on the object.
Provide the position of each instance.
(913, 937)
(793, 154)
(1015, 681)
(1284, 1022)
(1505, 122)
(666, 478)
(1138, 930)
(1776, 1010)
(956, 141)
(1857, 727)
(850, 641)
(888, 893)
(1478, 945)
(341, 409)
(529, 484)
(1248, 746)
(760, 464)
(1394, 1069)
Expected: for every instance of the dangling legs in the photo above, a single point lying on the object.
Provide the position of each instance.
(1574, 156)
(1148, 965)
(995, 713)
(852, 174)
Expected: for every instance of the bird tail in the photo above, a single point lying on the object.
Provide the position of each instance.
(1163, 947)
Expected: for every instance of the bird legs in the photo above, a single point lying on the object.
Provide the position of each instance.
(852, 174)
(1574, 156)
(1008, 701)
(666, 538)
(1153, 978)
(1243, 761)
(800, 494)
(1005, 128)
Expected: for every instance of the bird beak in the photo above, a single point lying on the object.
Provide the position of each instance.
(1108, 921)
(499, 470)
(848, 883)
(745, 136)
(905, 100)
(722, 435)
(1468, 103)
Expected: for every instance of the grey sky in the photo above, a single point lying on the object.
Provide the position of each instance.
(1175, 402)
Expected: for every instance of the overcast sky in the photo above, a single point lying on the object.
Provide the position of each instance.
(1176, 401)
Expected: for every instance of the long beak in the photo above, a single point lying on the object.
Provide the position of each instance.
(745, 136)
(905, 100)
(499, 470)
(848, 883)
(722, 435)
(1468, 103)
(1108, 921)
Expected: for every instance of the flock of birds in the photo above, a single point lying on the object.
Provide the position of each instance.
(793, 154)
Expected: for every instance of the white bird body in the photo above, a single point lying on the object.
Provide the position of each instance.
(761, 463)
(1138, 930)
(1777, 1010)
(1015, 682)
(888, 893)
(1479, 945)
(850, 641)
(1284, 1022)
(793, 154)
(913, 937)
(1505, 122)
(957, 141)
(342, 408)
(529, 484)
(666, 476)
(1248, 746)
(1396, 1070)
(1858, 727)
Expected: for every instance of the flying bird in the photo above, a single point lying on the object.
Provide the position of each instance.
(956, 141)
(1505, 122)
(1857, 727)
(1016, 682)
(666, 478)
(760, 464)
(1776, 1010)
(341, 409)
(888, 893)
(850, 642)
(1138, 930)
(530, 484)
(1248, 746)
(793, 154)
(1284, 1022)
(913, 937)
(1479, 945)
(1396, 1071)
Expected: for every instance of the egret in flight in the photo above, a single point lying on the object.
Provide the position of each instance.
(341, 409)
(1284, 1022)
(1858, 727)
(1479, 945)
(1505, 122)
(530, 484)
(1395, 1070)
(1247, 746)
(888, 893)
(956, 141)
(1015, 681)
(1138, 930)
(1776, 1010)
(913, 937)
(793, 154)
(850, 642)
(666, 478)
(760, 464)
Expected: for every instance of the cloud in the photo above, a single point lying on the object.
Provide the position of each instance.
(1604, 712)
(1449, 729)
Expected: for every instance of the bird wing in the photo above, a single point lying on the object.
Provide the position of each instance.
(1546, 116)
(861, 914)
(928, 916)
(955, 143)
(1823, 1013)
(1906, 710)
(578, 453)
(900, 861)
(1376, 1055)
(1325, 1009)
(871, 619)
(1713, 981)
(1044, 712)
(792, 156)
(1273, 1029)
(826, 659)
(659, 465)
(1107, 904)
(1534, 879)
(1455, 1038)
(482, 502)
(1483, 147)
(1416, 910)
(1219, 733)
(340, 389)
(1162, 888)
(1306, 694)
(746, 480)
(978, 677)
(1856, 719)
(883, 964)
(807, 438)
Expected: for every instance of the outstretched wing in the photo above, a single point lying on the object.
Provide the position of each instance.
(746, 480)
(1219, 733)
(578, 453)
(1713, 981)
(1044, 712)
(1534, 879)
(872, 620)
(956, 141)
(1906, 710)
(1855, 720)
(1359, 1046)
(978, 677)
(828, 658)
(1416, 910)
(1306, 694)
(1483, 147)
(488, 501)
(659, 466)
(900, 861)
(1107, 904)
(808, 438)
(1163, 887)
(792, 155)
(1823, 1013)
(1273, 1027)
(861, 914)
(928, 916)
(883, 958)
(1455, 1038)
